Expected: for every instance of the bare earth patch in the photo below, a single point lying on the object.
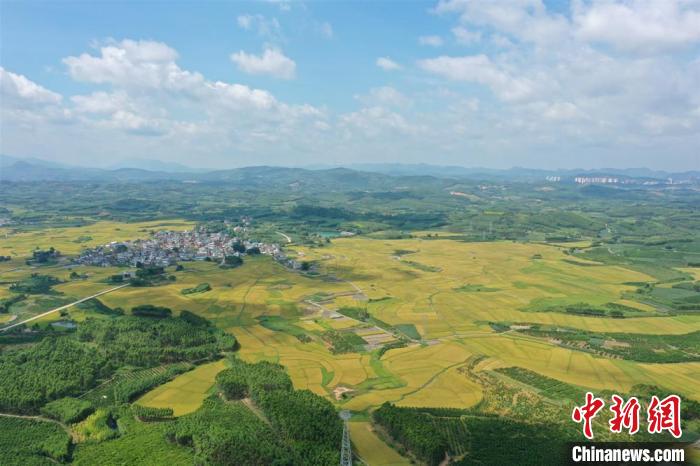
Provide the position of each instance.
(339, 391)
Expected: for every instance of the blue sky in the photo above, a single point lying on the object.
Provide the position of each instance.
(473, 83)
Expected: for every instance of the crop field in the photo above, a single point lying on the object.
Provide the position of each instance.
(435, 297)
(73, 239)
(185, 393)
(238, 296)
(585, 369)
(434, 301)
(454, 319)
(447, 302)
(371, 448)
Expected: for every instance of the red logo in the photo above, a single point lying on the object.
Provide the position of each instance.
(625, 415)
(662, 415)
(587, 412)
(665, 415)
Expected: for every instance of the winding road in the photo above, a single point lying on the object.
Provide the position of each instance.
(65, 306)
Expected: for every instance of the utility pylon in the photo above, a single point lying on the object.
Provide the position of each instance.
(345, 447)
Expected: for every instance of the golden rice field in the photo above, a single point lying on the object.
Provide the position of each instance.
(431, 301)
(431, 284)
(72, 239)
(584, 369)
(186, 392)
(371, 449)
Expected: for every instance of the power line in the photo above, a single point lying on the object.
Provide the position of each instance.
(345, 447)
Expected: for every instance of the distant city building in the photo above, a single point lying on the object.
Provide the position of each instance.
(596, 180)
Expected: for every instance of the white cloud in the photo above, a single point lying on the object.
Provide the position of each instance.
(562, 111)
(526, 20)
(129, 63)
(553, 86)
(272, 63)
(639, 25)
(465, 36)
(375, 122)
(152, 96)
(480, 69)
(17, 88)
(385, 95)
(268, 28)
(245, 21)
(101, 102)
(432, 41)
(501, 41)
(28, 105)
(137, 124)
(387, 64)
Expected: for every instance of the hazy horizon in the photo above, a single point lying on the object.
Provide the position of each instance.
(161, 165)
(537, 84)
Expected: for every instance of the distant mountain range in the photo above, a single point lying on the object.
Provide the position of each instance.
(156, 166)
(516, 173)
(138, 170)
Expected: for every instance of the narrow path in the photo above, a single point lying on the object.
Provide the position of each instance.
(245, 297)
(65, 306)
(431, 379)
(42, 419)
(250, 404)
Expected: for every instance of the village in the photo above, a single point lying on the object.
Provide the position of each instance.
(166, 248)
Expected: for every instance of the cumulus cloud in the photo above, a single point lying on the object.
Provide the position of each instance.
(639, 25)
(597, 79)
(527, 20)
(131, 63)
(272, 63)
(28, 104)
(384, 95)
(387, 64)
(621, 66)
(102, 102)
(465, 36)
(479, 69)
(17, 89)
(152, 96)
(432, 41)
(375, 121)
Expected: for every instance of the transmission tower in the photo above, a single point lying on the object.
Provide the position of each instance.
(345, 448)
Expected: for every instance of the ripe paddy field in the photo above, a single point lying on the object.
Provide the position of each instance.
(439, 295)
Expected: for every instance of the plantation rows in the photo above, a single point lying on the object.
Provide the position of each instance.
(455, 431)
(551, 388)
(125, 386)
(25, 442)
